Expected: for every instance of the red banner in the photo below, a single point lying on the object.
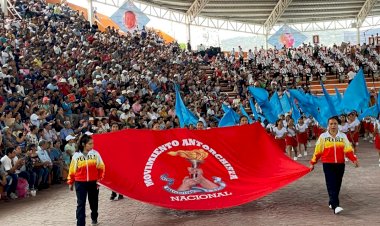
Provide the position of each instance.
(195, 169)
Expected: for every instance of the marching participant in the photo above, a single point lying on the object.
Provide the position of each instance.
(290, 140)
(353, 129)
(279, 133)
(331, 148)
(302, 136)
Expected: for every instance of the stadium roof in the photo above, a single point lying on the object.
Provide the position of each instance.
(268, 13)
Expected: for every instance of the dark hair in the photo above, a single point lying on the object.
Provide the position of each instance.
(334, 118)
(243, 116)
(83, 140)
(9, 150)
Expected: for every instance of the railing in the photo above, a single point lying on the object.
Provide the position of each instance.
(12, 10)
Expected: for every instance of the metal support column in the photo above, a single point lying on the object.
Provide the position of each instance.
(90, 12)
(358, 35)
(4, 7)
(188, 32)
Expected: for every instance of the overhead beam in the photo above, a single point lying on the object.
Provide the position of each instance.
(276, 13)
(195, 9)
(364, 12)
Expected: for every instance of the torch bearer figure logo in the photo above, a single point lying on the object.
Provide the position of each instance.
(196, 157)
(196, 182)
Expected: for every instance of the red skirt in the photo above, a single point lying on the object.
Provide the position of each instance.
(281, 143)
(317, 131)
(377, 142)
(350, 136)
(371, 128)
(356, 137)
(291, 141)
(365, 125)
(302, 138)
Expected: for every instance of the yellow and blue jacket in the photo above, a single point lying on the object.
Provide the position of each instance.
(86, 168)
(333, 150)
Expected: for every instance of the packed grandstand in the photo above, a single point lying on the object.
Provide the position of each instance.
(62, 77)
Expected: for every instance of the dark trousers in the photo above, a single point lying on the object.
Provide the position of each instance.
(82, 190)
(12, 180)
(333, 174)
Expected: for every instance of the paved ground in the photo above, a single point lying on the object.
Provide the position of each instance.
(301, 203)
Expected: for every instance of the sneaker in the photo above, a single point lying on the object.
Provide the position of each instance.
(305, 153)
(13, 196)
(299, 156)
(357, 143)
(120, 197)
(338, 210)
(295, 158)
(346, 159)
(112, 197)
(365, 138)
(371, 141)
(330, 206)
(94, 223)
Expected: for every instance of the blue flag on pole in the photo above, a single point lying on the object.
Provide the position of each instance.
(185, 116)
(285, 103)
(329, 101)
(260, 94)
(372, 111)
(356, 96)
(276, 104)
(253, 109)
(230, 118)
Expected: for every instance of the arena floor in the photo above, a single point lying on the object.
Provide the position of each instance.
(301, 203)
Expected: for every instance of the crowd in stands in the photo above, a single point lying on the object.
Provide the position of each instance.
(61, 77)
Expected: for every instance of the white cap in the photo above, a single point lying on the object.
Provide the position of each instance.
(70, 137)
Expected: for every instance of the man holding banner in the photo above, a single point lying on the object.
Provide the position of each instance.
(331, 147)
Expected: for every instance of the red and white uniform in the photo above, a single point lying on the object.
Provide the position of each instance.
(302, 133)
(279, 136)
(352, 135)
(290, 138)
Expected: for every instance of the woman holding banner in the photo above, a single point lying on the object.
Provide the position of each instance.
(331, 148)
(291, 141)
(280, 133)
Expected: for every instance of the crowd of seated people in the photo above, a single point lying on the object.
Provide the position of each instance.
(61, 77)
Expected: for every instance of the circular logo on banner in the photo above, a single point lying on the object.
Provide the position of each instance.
(191, 183)
(130, 20)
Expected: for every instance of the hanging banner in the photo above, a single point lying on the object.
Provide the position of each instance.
(129, 18)
(195, 169)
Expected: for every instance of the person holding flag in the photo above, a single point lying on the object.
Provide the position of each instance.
(331, 148)
(302, 136)
(377, 136)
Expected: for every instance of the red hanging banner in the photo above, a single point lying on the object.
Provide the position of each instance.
(195, 169)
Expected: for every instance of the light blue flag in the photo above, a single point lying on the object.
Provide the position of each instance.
(338, 95)
(253, 109)
(260, 94)
(329, 101)
(372, 111)
(185, 116)
(229, 119)
(243, 112)
(276, 104)
(285, 103)
(308, 104)
(225, 108)
(356, 97)
(296, 115)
